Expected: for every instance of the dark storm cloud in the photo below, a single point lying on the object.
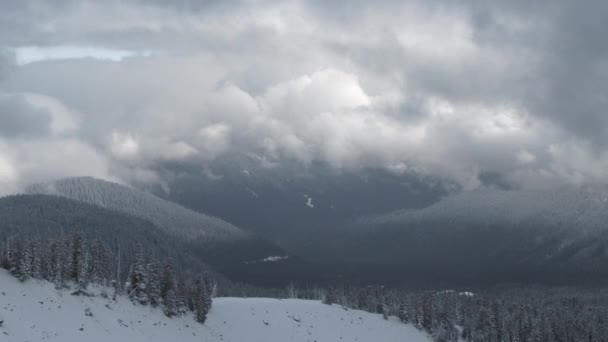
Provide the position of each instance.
(489, 93)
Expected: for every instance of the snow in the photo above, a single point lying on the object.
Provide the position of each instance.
(253, 193)
(36, 311)
(309, 201)
(273, 258)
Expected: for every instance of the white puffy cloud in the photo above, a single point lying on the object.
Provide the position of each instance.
(123, 145)
(215, 139)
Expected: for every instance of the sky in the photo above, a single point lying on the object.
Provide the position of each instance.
(510, 90)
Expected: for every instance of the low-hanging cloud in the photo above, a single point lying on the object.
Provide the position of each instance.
(473, 91)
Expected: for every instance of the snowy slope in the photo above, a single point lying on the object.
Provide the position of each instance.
(35, 311)
(578, 207)
(169, 216)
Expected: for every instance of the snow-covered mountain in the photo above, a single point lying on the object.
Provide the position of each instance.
(488, 236)
(26, 310)
(169, 216)
(581, 208)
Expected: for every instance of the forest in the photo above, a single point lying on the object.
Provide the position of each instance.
(499, 314)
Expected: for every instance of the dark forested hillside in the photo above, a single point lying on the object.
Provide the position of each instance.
(487, 237)
(67, 242)
(169, 216)
(220, 243)
(42, 216)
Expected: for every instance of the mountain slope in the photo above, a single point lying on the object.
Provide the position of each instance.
(287, 202)
(26, 307)
(169, 216)
(557, 236)
(34, 217)
(584, 208)
(220, 244)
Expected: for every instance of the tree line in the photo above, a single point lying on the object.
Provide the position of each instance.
(513, 314)
(79, 262)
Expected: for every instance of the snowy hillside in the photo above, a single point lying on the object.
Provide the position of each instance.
(169, 216)
(584, 207)
(35, 311)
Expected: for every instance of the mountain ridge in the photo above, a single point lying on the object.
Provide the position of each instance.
(164, 214)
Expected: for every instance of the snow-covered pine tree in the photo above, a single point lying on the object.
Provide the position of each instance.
(201, 301)
(167, 291)
(154, 283)
(210, 287)
(138, 280)
(19, 267)
(328, 296)
(404, 312)
(36, 259)
(167, 280)
(75, 257)
(4, 256)
(58, 261)
(419, 314)
(363, 299)
(170, 304)
(100, 263)
(83, 266)
(182, 293)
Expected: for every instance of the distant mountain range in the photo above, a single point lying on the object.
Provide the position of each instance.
(287, 202)
(471, 238)
(558, 235)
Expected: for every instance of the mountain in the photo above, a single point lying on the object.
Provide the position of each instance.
(287, 202)
(26, 308)
(222, 245)
(171, 217)
(582, 207)
(488, 236)
(40, 217)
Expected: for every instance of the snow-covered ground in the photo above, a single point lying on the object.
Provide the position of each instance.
(35, 311)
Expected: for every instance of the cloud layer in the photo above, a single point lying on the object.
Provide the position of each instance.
(471, 92)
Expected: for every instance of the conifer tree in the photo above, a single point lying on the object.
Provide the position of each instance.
(201, 301)
(403, 314)
(18, 261)
(154, 284)
(170, 304)
(138, 281)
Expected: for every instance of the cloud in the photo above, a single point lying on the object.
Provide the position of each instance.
(483, 93)
(25, 162)
(39, 142)
(20, 119)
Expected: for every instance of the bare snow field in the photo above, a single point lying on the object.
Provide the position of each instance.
(36, 311)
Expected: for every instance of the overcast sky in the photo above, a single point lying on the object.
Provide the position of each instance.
(456, 89)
